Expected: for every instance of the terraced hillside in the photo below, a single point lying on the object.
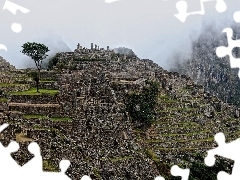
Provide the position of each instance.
(81, 115)
(186, 122)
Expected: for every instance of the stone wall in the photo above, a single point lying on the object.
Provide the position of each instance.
(15, 88)
(51, 110)
(35, 99)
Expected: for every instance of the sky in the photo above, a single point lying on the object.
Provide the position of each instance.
(148, 27)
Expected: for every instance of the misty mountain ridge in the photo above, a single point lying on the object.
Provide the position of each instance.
(207, 69)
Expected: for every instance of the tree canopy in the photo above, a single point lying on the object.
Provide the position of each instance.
(37, 52)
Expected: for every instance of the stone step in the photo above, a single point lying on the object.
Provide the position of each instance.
(39, 99)
(184, 144)
(177, 111)
(43, 109)
(180, 130)
(177, 118)
(20, 137)
(174, 137)
(32, 105)
(175, 124)
(14, 87)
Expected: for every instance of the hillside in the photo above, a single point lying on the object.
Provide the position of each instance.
(81, 115)
(210, 71)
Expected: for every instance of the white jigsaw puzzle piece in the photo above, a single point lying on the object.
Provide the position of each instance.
(228, 150)
(35, 162)
(7, 164)
(3, 126)
(223, 51)
(110, 1)
(64, 164)
(12, 7)
(159, 178)
(32, 169)
(182, 9)
(2, 46)
(86, 178)
(236, 16)
(177, 171)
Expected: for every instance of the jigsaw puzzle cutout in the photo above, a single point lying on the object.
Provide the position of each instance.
(110, 1)
(16, 27)
(223, 51)
(12, 7)
(32, 169)
(236, 16)
(177, 171)
(228, 150)
(182, 7)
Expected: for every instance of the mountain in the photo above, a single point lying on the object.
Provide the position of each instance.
(207, 69)
(116, 117)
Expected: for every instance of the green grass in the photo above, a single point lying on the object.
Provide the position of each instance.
(2, 99)
(165, 97)
(181, 141)
(187, 134)
(61, 119)
(97, 172)
(171, 101)
(33, 91)
(152, 155)
(184, 149)
(49, 166)
(179, 123)
(182, 109)
(31, 116)
(8, 85)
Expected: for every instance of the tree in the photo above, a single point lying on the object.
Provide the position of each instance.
(141, 105)
(37, 52)
(34, 76)
(53, 61)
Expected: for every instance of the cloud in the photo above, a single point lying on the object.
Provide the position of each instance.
(148, 27)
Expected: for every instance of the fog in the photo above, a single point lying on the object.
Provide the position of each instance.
(148, 27)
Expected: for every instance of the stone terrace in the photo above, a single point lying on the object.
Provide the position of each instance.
(94, 130)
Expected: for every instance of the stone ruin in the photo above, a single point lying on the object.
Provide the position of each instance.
(100, 139)
(85, 54)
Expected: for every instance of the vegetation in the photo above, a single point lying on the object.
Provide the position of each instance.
(207, 69)
(53, 61)
(8, 85)
(48, 81)
(34, 76)
(33, 91)
(3, 99)
(34, 116)
(122, 51)
(49, 166)
(199, 170)
(37, 52)
(141, 106)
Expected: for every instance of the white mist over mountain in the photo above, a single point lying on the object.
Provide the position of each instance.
(148, 27)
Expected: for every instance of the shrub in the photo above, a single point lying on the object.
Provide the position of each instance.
(141, 105)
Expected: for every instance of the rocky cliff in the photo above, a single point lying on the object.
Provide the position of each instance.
(210, 71)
